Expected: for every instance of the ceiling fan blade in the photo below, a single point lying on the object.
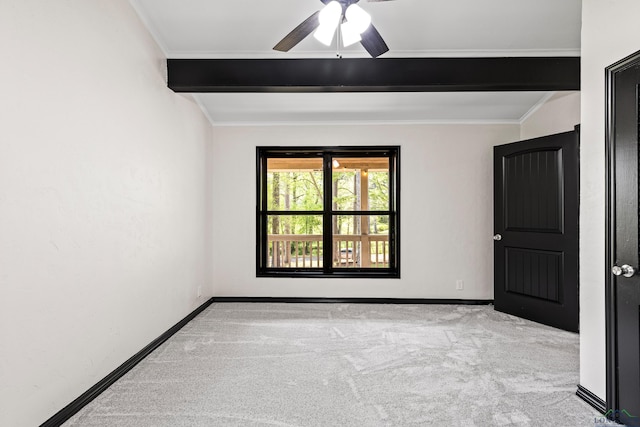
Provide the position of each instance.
(298, 33)
(373, 42)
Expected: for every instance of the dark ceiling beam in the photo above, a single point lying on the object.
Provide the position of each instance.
(375, 75)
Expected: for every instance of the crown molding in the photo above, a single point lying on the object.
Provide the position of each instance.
(204, 109)
(365, 123)
(328, 54)
(536, 106)
(155, 33)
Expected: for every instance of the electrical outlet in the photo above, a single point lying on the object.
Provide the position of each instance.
(199, 292)
(460, 285)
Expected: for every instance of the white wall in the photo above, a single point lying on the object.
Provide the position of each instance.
(103, 200)
(609, 33)
(560, 113)
(446, 209)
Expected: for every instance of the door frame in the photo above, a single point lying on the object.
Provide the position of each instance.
(611, 312)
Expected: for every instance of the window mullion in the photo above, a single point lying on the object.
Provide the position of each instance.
(327, 222)
(392, 210)
(262, 231)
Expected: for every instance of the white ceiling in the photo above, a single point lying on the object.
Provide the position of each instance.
(411, 28)
(393, 107)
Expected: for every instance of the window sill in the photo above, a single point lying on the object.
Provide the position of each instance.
(320, 274)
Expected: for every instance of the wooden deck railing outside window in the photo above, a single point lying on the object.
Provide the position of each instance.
(349, 251)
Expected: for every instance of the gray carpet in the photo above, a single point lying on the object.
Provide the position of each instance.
(351, 365)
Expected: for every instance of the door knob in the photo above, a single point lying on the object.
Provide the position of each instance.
(625, 270)
(497, 237)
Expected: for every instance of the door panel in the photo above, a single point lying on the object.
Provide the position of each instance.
(534, 273)
(533, 191)
(623, 293)
(536, 216)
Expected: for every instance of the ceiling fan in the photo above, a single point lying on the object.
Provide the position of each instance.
(355, 26)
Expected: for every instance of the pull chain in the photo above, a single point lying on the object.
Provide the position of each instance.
(338, 39)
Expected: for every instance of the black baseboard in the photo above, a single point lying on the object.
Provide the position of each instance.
(72, 408)
(355, 300)
(593, 400)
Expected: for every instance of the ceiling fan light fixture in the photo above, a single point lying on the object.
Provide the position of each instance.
(349, 34)
(358, 17)
(329, 19)
(324, 35)
(324, 23)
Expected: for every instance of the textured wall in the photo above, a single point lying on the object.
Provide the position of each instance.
(446, 209)
(103, 200)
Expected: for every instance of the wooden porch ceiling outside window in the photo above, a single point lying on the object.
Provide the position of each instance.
(311, 164)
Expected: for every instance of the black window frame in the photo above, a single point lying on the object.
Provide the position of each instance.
(327, 154)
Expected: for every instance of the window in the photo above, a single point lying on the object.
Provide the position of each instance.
(328, 211)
